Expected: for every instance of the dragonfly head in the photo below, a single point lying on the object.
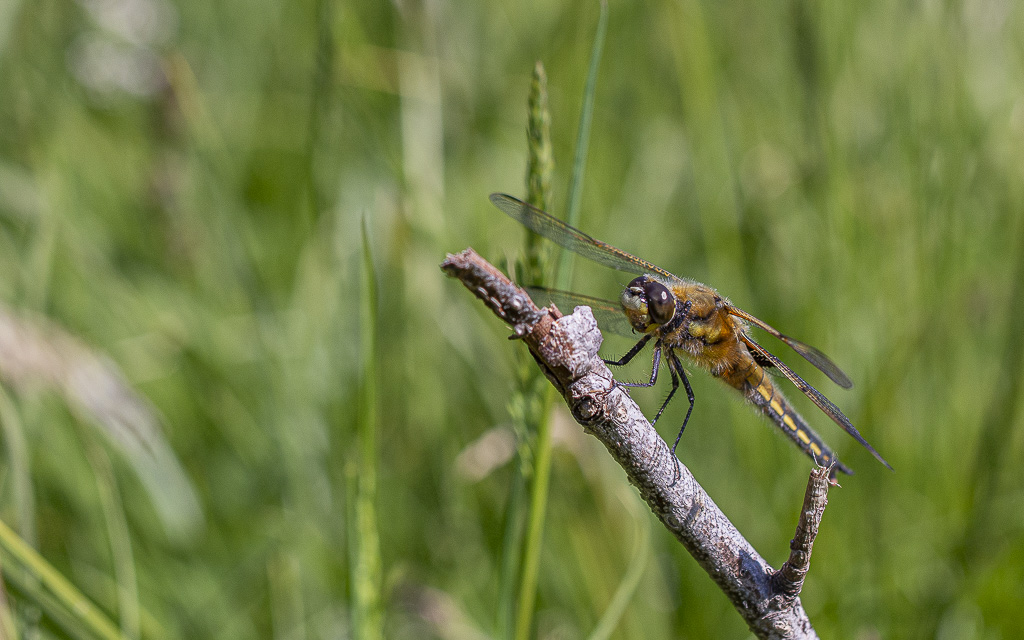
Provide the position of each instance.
(647, 303)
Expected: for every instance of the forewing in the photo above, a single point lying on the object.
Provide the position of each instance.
(573, 239)
(816, 397)
(812, 355)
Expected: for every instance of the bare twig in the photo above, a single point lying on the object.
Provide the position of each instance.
(790, 578)
(566, 350)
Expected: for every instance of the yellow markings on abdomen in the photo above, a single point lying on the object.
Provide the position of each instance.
(759, 390)
(788, 419)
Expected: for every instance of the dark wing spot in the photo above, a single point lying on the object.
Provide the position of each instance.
(761, 360)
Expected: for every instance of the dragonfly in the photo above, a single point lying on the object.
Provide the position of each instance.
(682, 316)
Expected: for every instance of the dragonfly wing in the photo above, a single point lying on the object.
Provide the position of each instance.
(608, 314)
(573, 239)
(816, 396)
(812, 355)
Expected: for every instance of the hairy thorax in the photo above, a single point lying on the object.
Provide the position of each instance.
(708, 333)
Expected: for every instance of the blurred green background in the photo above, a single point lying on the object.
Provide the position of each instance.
(316, 450)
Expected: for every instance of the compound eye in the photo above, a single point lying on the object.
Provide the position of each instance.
(661, 304)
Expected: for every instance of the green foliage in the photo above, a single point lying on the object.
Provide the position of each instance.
(183, 189)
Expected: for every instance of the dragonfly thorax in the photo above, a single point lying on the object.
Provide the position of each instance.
(647, 302)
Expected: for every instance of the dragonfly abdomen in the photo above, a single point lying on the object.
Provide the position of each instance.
(758, 388)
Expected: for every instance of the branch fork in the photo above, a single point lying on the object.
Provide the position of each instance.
(566, 348)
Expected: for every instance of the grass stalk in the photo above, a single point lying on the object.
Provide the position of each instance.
(535, 395)
(120, 541)
(28, 572)
(631, 579)
(364, 540)
(582, 143)
(8, 624)
(541, 164)
(18, 458)
(511, 556)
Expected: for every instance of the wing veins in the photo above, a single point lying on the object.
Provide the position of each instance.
(823, 403)
(822, 362)
(571, 238)
(609, 314)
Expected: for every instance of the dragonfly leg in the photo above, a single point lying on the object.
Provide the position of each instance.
(631, 353)
(672, 392)
(654, 374)
(674, 365)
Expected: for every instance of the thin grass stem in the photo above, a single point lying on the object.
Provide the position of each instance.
(42, 584)
(367, 617)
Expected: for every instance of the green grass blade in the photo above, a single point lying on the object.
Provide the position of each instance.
(511, 555)
(42, 584)
(42, 353)
(631, 579)
(535, 395)
(120, 541)
(542, 455)
(367, 617)
(8, 626)
(582, 143)
(18, 463)
(535, 527)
